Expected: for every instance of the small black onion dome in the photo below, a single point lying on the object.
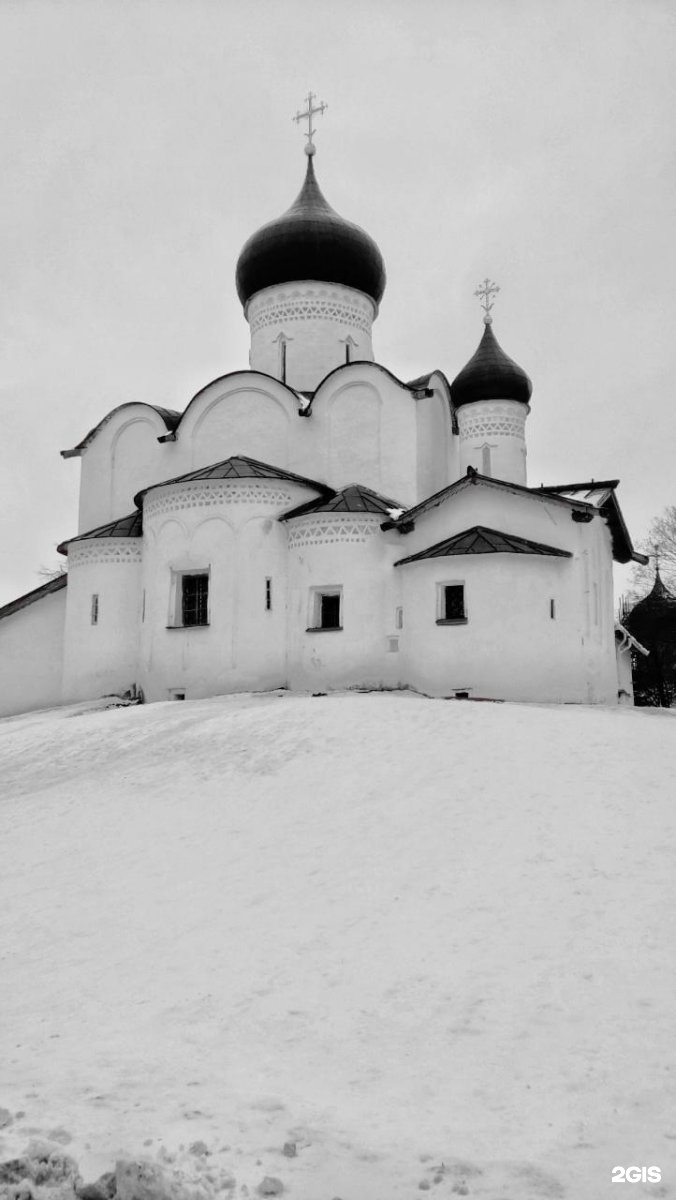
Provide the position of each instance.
(490, 375)
(310, 241)
(654, 613)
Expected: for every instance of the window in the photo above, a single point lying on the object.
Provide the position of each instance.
(95, 609)
(398, 618)
(189, 599)
(325, 609)
(552, 609)
(194, 599)
(268, 594)
(451, 604)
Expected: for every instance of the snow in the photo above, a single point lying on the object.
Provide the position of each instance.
(397, 932)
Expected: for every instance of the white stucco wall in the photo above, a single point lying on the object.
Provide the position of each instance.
(437, 446)
(510, 648)
(102, 659)
(570, 658)
(31, 655)
(230, 529)
(344, 550)
(315, 319)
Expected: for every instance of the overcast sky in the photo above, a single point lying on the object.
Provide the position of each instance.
(528, 140)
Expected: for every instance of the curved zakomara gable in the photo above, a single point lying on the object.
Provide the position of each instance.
(301, 403)
(164, 419)
(169, 422)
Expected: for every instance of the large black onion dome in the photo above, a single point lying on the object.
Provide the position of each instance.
(310, 241)
(490, 375)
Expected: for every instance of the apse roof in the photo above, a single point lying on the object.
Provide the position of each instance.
(238, 466)
(355, 498)
(490, 375)
(481, 540)
(38, 593)
(129, 526)
(310, 241)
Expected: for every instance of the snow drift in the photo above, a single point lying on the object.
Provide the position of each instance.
(369, 945)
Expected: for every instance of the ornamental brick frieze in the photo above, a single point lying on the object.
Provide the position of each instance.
(101, 554)
(479, 428)
(323, 532)
(489, 419)
(279, 308)
(218, 494)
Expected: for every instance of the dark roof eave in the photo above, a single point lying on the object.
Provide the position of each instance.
(195, 476)
(472, 478)
(45, 589)
(109, 530)
(168, 415)
(530, 548)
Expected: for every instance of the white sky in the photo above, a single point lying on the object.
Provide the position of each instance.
(143, 142)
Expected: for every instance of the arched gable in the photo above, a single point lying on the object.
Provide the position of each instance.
(119, 456)
(246, 413)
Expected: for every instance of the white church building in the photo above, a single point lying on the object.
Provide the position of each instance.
(313, 522)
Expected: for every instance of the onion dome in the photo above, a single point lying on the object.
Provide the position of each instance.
(654, 614)
(310, 241)
(490, 375)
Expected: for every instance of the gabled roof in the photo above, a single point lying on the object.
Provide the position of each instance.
(473, 478)
(238, 466)
(130, 526)
(600, 494)
(481, 540)
(355, 498)
(170, 418)
(582, 498)
(52, 585)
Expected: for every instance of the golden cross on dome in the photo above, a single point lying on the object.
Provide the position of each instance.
(307, 115)
(485, 291)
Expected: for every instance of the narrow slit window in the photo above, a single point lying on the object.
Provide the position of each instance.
(268, 594)
(194, 599)
(552, 609)
(398, 618)
(95, 609)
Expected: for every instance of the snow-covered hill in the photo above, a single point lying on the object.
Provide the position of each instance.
(395, 932)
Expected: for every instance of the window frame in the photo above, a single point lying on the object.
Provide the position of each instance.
(441, 618)
(317, 594)
(176, 598)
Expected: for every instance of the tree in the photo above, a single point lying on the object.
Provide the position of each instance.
(661, 540)
(54, 572)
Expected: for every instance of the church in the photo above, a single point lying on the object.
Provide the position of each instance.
(312, 522)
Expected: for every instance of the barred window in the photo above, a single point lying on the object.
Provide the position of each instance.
(195, 599)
